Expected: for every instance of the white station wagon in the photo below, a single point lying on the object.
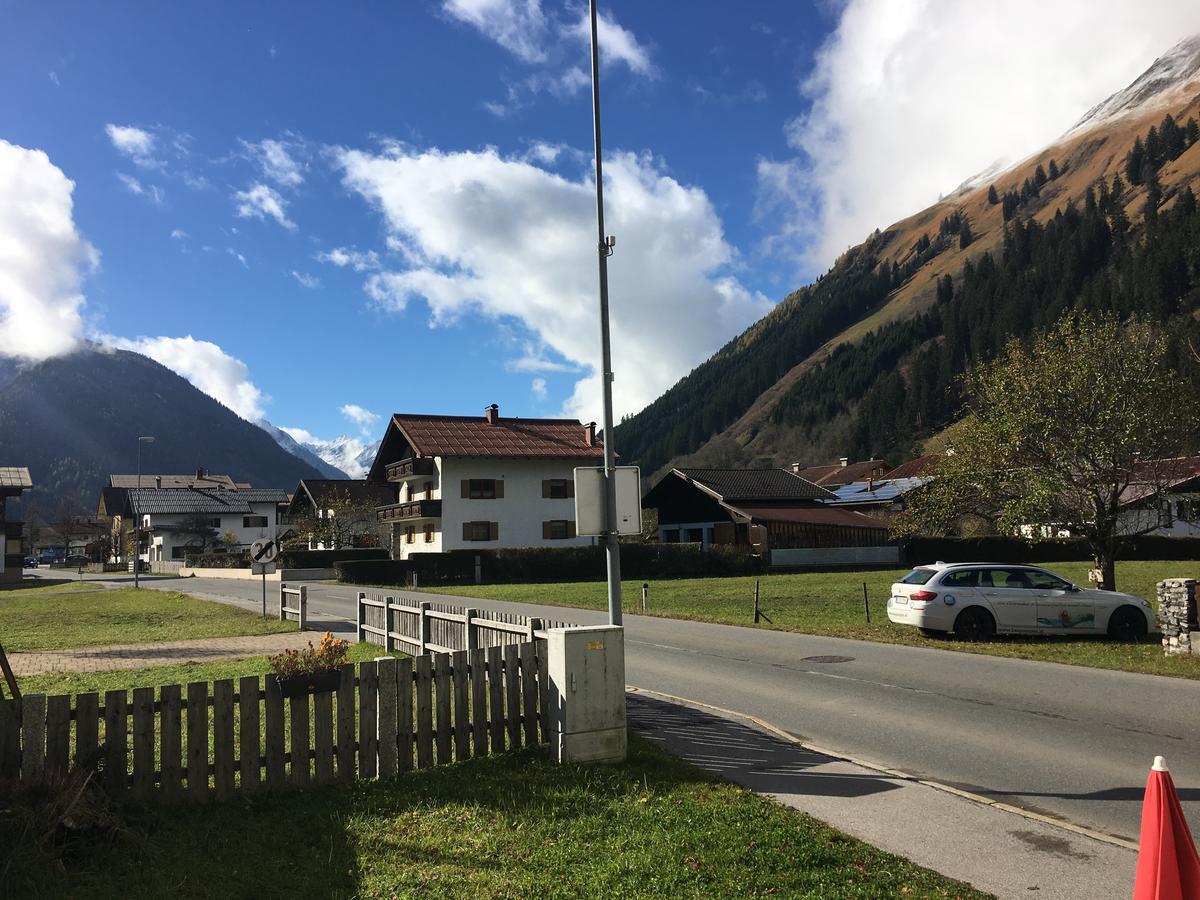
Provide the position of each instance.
(979, 600)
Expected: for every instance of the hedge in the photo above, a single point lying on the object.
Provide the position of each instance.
(1014, 550)
(522, 565)
(324, 559)
(218, 560)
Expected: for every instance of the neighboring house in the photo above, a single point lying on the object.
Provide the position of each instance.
(178, 521)
(332, 513)
(842, 472)
(759, 508)
(1163, 498)
(880, 499)
(13, 481)
(463, 482)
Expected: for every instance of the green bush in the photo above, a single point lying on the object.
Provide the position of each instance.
(1015, 550)
(324, 559)
(218, 560)
(523, 565)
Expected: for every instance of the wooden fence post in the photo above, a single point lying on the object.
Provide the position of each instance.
(114, 741)
(143, 742)
(248, 750)
(197, 741)
(282, 601)
(87, 731)
(33, 735)
(385, 729)
(171, 740)
(273, 716)
(462, 717)
(479, 684)
(223, 772)
(404, 712)
(345, 723)
(303, 615)
(389, 624)
(423, 622)
(441, 663)
(512, 690)
(529, 694)
(299, 739)
(58, 732)
(323, 735)
(495, 676)
(10, 740)
(470, 629)
(367, 724)
(361, 596)
(424, 679)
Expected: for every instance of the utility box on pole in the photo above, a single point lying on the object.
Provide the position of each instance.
(586, 668)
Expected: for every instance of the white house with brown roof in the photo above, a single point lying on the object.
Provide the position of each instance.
(466, 482)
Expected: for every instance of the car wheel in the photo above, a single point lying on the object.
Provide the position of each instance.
(974, 624)
(1127, 625)
(932, 632)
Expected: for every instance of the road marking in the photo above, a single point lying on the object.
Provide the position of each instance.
(1064, 824)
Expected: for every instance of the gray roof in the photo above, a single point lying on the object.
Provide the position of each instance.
(756, 484)
(171, 481)
(15, 476)
(874, 491)
(262, 495)
(149, 501)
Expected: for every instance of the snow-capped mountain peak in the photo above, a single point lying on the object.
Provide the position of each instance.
(349, 454)
(1176, 68)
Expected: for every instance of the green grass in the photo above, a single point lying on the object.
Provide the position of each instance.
(831, 603)
(507, 826)
(54, 620)
(46, 586)
(155, 676)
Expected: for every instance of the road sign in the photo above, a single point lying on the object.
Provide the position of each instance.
(262, 568)
(589, 500)
(264, 551)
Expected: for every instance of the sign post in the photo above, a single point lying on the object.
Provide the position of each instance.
(262, 562)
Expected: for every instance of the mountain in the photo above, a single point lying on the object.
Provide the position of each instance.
(75, 419)
(867, 359)
(352, 456)
(302, 451)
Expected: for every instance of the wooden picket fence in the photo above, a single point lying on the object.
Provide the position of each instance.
(226, 738)
(418, 627)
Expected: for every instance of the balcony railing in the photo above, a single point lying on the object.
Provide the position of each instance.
(413, 509)
(422, 467)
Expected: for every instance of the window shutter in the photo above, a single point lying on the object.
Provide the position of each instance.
(545, 489)
(571, 530)
(466, 529)
(466, 488)
(546, 535)
(493, 531)
(570, 487)
(499, 488)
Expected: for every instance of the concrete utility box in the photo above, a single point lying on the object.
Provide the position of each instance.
(587, 693)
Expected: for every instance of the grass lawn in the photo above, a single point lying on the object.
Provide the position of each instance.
(831, 603)
(32, 588)
(154, 676)
(51, 619)
(506, 826)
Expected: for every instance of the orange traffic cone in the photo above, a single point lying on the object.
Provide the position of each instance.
(1167, 867)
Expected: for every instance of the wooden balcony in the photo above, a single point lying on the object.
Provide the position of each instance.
(411, 468)
(413, 509)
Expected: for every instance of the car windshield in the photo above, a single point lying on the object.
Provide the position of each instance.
(917, 576)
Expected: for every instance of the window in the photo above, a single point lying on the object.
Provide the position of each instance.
(254, 521)
(178, 552)
(967, 578)
(482, 488)
(1164, 514)
(558, 529)
(429, 490)
(429, 533)
(1188, 510)
(481, 531)
(558, 488)
(410, 534)
(214, 522)
(1011, 579)
(1044, 581)
(917, 576)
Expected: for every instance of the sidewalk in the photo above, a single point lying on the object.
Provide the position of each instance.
(137, 656)
(993, 849)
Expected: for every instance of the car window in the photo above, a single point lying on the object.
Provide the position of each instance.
(1044, 581)
(917, 576)
(1012, 579)
(965, 578)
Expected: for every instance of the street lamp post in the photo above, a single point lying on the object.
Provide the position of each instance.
(605, 248)
(137, 528)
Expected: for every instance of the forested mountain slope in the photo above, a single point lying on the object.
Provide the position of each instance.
(865, 360)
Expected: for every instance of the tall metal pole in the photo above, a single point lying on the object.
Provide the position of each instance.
(605, 249)
(137, 525)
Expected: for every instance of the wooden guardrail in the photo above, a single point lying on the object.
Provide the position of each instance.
(295, 595)
(240, 737)
(420, 627)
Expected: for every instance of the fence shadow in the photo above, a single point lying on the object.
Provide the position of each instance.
(745, 755)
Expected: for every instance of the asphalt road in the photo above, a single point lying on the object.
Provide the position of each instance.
(1066, 741)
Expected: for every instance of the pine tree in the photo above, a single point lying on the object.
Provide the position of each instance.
(1191, 131)
(1039, 176)
(945, 289)
(1154, 196)
(964, 234)
(1118, 189)
(1154, 149)
(1053, 170)
(1105, 202)
(993, 198)
(1172, 138)
(1186, 204)
(1134, 161)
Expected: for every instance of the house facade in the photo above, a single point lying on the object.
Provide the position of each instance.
(332, 513)
(13, 481)
(179, 521)
(1162, 498)
(464, 482)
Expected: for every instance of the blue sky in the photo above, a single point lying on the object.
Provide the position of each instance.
(366, 208)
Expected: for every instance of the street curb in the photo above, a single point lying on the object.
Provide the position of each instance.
(896, 773)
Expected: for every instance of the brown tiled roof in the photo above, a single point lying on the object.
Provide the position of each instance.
(922, 465)
(353, 490)
(837, 474)
(815, 515)
(755, 484)
(1149, 476)
(474, 436)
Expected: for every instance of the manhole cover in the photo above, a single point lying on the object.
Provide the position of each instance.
(828, 659)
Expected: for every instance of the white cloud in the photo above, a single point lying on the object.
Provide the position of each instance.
(504, 238)
(43, 258)
(54, 78)
(276, 162)
(358, 260)
(537, 359)
(178, 234)
(538, 388)
(519, 26)
(305, 280)
(363, 418)
(151, 192)
(238, 256)
(911, 97)
(135, 143)
(260, 201)
(617, 44)
(209, 368)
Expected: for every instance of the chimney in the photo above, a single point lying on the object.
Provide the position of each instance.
(589, 434)
(199, 472)
(492, 414)
(845, 461)
(158, 481)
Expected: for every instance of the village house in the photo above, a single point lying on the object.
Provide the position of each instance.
(464, 482)
(843, 472)
(763, 509)
(1163, 498)
(13, 481)
(332, 513)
